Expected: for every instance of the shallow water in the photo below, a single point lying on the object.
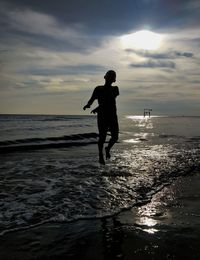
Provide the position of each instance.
(65, 184)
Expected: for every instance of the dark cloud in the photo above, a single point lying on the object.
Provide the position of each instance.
(184, 54)
(81, 45)
(66, 70)
(95, 19)
(20, 27)
(154, 64)
(115, 17)
(171, 54)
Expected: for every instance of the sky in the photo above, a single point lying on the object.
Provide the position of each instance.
(54, 53)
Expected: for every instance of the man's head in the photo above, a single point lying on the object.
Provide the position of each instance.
(110, 76)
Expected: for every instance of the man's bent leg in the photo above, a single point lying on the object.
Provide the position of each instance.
(114, 129)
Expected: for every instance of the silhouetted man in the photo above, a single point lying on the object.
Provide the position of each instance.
(106, 113)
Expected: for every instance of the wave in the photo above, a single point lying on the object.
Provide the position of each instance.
(40, 189)
(170, 136)
(42, 118)
(138, 197)
(48, 142)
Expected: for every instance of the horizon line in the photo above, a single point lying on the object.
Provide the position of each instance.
(41, 114)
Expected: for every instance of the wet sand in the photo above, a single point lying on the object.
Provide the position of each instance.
(168, 227)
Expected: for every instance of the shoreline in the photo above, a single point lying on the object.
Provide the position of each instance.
(165, 228)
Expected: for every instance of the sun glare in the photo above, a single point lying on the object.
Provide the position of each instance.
(146, 40)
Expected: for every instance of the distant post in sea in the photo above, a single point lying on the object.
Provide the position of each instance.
(147, 112)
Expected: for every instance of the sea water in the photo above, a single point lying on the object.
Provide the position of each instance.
(49, 168)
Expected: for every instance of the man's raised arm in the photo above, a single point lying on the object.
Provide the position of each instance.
(91, 100)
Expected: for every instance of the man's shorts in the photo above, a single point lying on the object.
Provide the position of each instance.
(108, 123)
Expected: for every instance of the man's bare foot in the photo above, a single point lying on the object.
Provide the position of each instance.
(107, 153)
(101, 159)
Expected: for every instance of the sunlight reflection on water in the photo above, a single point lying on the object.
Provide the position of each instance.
(141, 121)
(132, 141)
(142, 117)
(151, 215)
(146, 220)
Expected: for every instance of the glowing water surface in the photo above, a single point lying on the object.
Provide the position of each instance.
(68, 184)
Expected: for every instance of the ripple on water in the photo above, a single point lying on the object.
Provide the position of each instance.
(35, 190)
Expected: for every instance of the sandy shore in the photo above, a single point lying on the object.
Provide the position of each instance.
(166, 228)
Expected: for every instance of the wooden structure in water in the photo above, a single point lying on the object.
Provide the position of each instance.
(147, 112)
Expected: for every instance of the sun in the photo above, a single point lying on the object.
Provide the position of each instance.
(144, 39)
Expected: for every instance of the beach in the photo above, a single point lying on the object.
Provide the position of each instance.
(168, 227)
(57, 201)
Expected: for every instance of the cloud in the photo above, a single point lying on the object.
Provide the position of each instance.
(116, 17)
(66, 47)
(96, 16)
(153, 64)
(184, 54)
(66, 70)
(39, 23)
(37, 28)
(170, 54)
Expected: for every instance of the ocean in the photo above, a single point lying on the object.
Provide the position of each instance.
(49, 171)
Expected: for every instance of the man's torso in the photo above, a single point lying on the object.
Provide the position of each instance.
(106, 96)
